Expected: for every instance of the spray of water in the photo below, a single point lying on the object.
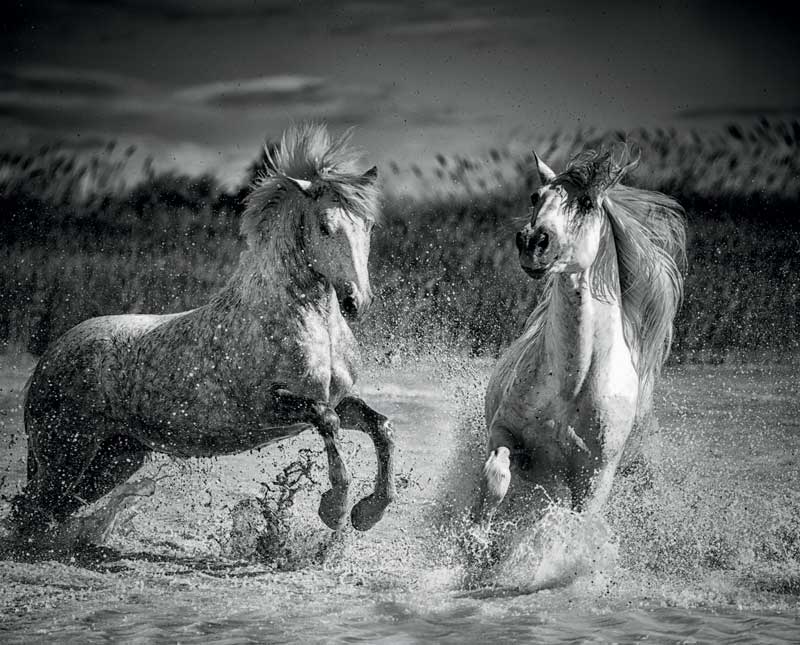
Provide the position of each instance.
(266, 528)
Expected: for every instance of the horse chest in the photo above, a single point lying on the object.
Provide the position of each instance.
(344, 362)
(323, 363)
(586, 411)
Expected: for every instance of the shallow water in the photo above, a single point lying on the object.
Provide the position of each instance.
(709, 551)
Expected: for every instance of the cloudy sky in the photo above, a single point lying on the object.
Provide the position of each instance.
(204, 82)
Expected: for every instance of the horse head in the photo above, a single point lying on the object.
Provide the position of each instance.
(566, 215)
(337, 239)
(310, 215)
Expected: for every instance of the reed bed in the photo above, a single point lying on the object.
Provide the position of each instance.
(76, 241)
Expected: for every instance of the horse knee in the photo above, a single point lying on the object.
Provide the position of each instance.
(327, 421)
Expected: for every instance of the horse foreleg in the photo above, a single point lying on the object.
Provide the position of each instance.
(354, 413)
(494, 486)
(335, 502)
(288, 408)
(495, 479)
(589, 494)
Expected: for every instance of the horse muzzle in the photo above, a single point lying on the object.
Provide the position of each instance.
(353, 301)
(534, 252)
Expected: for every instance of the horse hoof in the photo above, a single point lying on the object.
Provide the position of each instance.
(333, 509)
(368, 512)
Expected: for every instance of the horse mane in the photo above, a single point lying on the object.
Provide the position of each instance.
(649, 232)
(307, 152)
(646, 263)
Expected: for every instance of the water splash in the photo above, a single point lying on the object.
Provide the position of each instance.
(91, 526)
(268, 529)
(706, 529)
(562, 547)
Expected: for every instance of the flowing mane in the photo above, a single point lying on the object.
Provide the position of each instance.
(307, 153)
(647, 261)
(650, 237)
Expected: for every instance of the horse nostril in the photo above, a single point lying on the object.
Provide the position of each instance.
(539, 243)
(349, 307)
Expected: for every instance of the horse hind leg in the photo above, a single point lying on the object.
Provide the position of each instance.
(59, 452)
(115, 462)
(118, 458)
(354, 413)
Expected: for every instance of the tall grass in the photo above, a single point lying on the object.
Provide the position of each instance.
(443, 260)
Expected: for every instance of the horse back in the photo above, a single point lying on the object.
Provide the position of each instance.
(83, 365)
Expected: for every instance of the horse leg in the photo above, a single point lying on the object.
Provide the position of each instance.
(287, 409)
(335, 502)
(495, 479)
(590, 491)
(115, 462)
(117, 459)
(354, 413)
(58, 455)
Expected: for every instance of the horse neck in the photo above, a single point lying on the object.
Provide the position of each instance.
(582, 326)
(275, 277)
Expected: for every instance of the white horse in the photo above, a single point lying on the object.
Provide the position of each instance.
(270, 356)
(563, 398)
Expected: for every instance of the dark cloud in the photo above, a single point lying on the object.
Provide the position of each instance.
(71, 114)
(188, 10)
(441, 19)
(58, 81)
(452, 26)
(79, 100)
(224, 73)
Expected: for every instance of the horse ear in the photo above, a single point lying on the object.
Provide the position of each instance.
(303, 184)
(546, 175)
(371, 176)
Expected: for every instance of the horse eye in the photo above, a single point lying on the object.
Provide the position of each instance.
(325, 229)
(585, 203)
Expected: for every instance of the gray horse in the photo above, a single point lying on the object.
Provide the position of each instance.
(269, 357)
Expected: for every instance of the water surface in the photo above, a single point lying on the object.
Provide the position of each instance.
(708, 550)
